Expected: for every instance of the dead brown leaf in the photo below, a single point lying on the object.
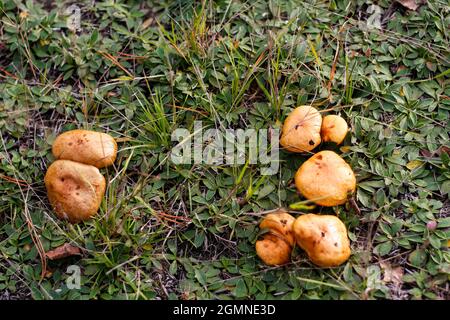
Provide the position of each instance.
(66, 250)
(430, 154)
(147, 23)
(443, 149)
(409, 4)
(425, 153)
(392, 275)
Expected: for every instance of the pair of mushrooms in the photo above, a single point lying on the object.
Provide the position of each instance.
(323, 237)
(326, 179)
(75, 186)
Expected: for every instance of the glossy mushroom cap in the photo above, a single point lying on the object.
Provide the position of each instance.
(334, 129)
(324, 238)
(75, 190)
(301, 130)
(325, 179)
(89, 147)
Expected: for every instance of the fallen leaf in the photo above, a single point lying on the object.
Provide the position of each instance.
(443, 149)
(123, 139)
(48, 274)
(400, 68)
(24, 14)
(147, 23)
(66, 250)
(431, 66)
(438, 152)
(425, 153)
(345, 149)
(409, 4)
(393, 275)
(414, 164)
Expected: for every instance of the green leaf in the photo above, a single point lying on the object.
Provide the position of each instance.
(266, 190)
(200, 276)
(445, 188)
(418, 257)
(380, 197)
(94, 36)
(240, 290)
(173, 267)
(383, 248)
(444, 222)
(364, 198)
(435, 242)
(299, 206)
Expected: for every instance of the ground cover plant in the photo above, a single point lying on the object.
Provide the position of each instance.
(139, 70)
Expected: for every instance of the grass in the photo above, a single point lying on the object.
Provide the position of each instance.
(164, 231)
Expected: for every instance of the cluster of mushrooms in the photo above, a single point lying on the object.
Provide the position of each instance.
(75, 186)
(325, 179)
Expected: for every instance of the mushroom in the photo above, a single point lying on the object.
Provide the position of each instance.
(301, 129)
(279, 222)
(273, 249)
(75, 190)
(85, 146)
(325, 179)
(324, 238)
(334, 129)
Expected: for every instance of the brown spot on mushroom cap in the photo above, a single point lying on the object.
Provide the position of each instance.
(279, 222)
(334, 129)
(325, 249)
(85, 146)
(75, 190)
(327, 182)
(301, 129)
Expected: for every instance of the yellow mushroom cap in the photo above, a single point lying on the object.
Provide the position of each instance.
(324, 238)
(273, 250)
(334, 129)
(326, 179)
(89, 147)
(75, 190)
(279, 222)
(301, 129)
